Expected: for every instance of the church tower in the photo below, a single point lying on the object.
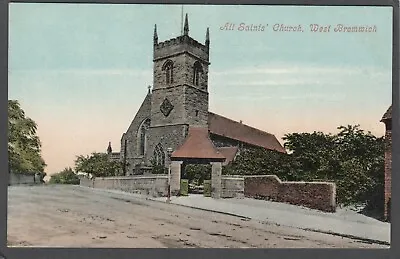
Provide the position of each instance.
(180, 91)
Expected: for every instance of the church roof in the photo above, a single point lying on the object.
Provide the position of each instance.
(198, 145)
(229, 153)
(225, 127)
(387, 115)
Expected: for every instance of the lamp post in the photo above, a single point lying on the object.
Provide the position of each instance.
(169, 153)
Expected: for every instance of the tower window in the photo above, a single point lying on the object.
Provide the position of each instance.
(197, 71)
(168, 69)
(197, 113)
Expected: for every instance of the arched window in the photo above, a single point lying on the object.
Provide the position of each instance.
(197, 71)
(143, 136)
(159, 155)
(169, 74)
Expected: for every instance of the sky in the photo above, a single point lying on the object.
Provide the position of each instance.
(82, 71)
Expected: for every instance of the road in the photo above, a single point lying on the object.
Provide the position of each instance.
(73, 216)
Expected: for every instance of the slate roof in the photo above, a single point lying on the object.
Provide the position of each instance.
(198, 145)
(225, 127)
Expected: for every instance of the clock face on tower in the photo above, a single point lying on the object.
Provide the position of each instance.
(166, 107)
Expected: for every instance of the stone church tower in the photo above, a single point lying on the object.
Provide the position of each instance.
(179, 94)
(179, 100)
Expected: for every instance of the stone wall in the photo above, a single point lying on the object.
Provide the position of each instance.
(232, 186)
(131, 137)
(196, 107)
(17, 179)
(167, 136)
(314, 195)
(84, 181)
(178, 46)
(176, 98)
(156, 185)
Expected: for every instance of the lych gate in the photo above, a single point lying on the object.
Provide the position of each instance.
(197, 149)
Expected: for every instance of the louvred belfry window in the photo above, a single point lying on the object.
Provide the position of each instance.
(197, 71)
(168, 68)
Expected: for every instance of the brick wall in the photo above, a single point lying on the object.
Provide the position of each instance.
(314, 195)
(156, 185)
(388, 172)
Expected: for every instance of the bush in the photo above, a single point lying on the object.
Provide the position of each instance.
(67, 176)
(352, 158)
(196, 174)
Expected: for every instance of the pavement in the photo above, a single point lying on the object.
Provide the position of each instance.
(72, 216)
(344, 222)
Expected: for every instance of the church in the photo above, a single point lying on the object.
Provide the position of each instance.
(175, 113)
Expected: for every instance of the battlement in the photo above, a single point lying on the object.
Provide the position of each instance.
(183, 43)
(179, 40)
(178, 45)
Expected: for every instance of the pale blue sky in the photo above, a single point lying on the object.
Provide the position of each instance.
(82, 71)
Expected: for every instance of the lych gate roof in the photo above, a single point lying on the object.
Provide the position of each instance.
(229, 153)
(387, 115)
(198, 145)
(225, 127)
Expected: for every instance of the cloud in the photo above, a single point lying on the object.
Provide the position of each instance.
(87, 72)
(288, 68)
(300, 75)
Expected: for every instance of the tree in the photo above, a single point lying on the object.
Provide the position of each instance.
(352, 158)
(24, 147)
(363, 159)
(98, 164)
(66, 176)
(259, 161)
(197, 173)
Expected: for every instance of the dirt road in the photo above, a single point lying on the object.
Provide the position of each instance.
(73, 216)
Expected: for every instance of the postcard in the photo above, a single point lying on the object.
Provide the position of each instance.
(199, 126)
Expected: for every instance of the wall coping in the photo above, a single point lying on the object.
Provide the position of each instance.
(233, 178)
(288, 182)
(133, 177)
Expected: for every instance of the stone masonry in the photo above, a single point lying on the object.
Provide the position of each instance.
(388, 173)
(314, 195)
(387, 119)
(216, 179)
(177, 101)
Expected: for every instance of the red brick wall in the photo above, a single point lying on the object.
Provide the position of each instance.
(314, 195)
(264, 186)
(388, 171)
